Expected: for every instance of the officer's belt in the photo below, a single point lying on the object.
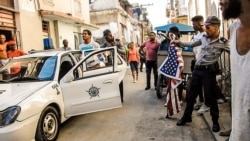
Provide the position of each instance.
(203, 67)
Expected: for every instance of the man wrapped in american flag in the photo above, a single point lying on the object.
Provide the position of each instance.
(172, 68)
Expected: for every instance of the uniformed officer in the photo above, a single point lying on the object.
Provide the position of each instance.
(206, 68)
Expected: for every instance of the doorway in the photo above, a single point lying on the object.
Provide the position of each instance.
(7, 33)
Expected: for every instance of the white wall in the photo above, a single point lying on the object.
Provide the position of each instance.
(86, 10)
(64, 6)
(100, 5)
(113, 26)
(29, 25)
(78, 8)
(66, 31)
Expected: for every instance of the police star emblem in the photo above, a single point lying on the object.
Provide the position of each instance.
(93, 91)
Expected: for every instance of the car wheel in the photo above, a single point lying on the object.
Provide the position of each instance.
(121, 90)
(48, 125)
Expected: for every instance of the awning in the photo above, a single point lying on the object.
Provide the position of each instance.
(59, 16)
(184, 29)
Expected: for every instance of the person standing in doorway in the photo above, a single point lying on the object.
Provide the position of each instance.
(151, 47)
(65, 45)
(3, 50)
(240, 66)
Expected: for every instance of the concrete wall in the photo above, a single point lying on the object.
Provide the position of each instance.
(64, 6)
(77, 8)
(29, 25)
(100, 5)
(68, 33)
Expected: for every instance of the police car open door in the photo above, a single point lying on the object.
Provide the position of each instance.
(92, 85)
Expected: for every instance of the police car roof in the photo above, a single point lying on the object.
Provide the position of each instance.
(40, 53)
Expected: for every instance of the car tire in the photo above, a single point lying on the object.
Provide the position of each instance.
(48, 125)
(121, 90)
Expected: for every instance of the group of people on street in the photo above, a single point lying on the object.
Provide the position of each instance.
(205, 67)
(205, 70)
(208, 46)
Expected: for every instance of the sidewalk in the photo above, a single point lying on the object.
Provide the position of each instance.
(224, 120)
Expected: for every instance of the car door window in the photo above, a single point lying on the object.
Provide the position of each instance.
(66, 65)
(77, 55)
(97, 64)
(119, 60)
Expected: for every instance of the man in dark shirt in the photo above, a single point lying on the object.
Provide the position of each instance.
(111, 41)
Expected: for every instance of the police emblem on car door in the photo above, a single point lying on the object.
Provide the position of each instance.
(91, 86)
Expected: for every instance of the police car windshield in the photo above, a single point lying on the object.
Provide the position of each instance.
(27, 69)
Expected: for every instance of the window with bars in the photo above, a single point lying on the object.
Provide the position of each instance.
(45, 25)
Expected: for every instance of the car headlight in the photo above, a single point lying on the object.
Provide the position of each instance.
(9, 115)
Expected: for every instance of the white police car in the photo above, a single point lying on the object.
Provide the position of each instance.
(40, 91)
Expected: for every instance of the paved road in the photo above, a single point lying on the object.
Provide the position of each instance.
(142, 118)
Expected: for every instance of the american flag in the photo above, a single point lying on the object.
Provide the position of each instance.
(171, 68)
(172, 100)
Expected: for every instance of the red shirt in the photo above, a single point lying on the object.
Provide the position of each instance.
(15, 53)
(132, 55)
(151, 49)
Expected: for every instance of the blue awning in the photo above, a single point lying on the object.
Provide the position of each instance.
(184, 29)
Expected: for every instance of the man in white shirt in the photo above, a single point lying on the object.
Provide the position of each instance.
(88, 44)
(198, 25)
(240, 66)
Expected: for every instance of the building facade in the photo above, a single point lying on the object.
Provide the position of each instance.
(29, 22)
(127, 22)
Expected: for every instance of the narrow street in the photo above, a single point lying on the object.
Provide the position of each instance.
(142, 118)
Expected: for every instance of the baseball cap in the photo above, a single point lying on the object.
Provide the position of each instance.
(106, 32)
(212, 20)
(11, 42)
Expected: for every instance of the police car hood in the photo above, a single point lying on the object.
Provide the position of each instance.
(13, 93)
